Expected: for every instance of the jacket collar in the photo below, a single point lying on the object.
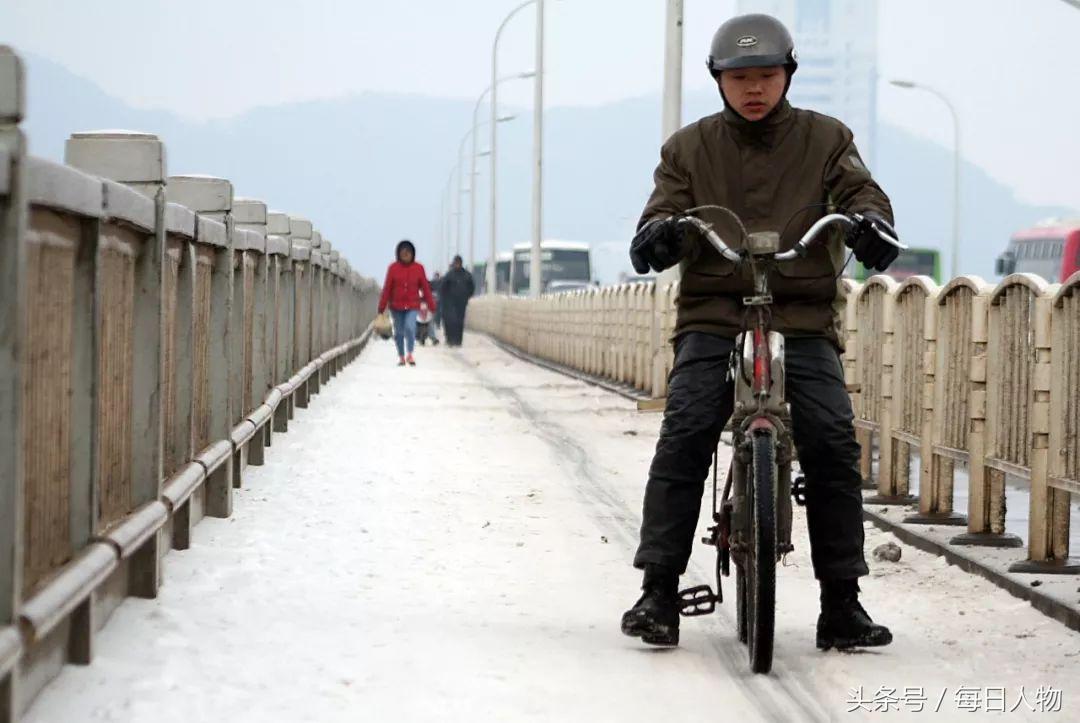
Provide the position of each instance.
(763, 131)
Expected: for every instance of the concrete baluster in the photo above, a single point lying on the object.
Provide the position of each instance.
(61, 427)
(948, 385)
(250, 215)
(211, 199)
(995, 357)
(903, 317)
(1049, 513)
(182, 257)
(1049, 547)
(279, 227)
(935, 499)
(137, 161)
(12, 370)
(334, 303)
(318, 275)
(300, 230)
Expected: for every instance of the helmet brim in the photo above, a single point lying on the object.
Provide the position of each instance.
(749, 61)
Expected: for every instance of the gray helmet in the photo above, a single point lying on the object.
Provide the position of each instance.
(752, 41)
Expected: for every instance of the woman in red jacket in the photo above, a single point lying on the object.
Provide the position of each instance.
(406, 282)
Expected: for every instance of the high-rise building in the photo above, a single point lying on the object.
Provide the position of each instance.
(836, 42)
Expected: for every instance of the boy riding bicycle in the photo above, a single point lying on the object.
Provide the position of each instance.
(779, 169)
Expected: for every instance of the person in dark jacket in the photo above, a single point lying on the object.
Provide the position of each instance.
(406, 284)
(455, 290)
(779, 169)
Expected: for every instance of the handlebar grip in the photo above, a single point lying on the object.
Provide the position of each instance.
(888, 238)
(882, 234)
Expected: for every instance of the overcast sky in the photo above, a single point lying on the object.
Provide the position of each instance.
(1011, 66)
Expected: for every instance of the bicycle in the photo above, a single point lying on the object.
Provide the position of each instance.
(752, 525)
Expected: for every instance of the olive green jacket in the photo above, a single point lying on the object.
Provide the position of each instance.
(780, 174)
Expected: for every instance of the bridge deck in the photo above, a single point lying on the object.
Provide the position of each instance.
(452, 542)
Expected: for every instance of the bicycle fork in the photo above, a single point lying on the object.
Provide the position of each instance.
(701, 599)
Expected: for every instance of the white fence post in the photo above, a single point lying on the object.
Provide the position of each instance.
(12, 310)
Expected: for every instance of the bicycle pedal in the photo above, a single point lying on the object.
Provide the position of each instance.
(699, 600)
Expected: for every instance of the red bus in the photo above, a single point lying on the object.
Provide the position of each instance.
(1050, 250)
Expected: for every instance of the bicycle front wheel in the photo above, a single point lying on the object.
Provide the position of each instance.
(761, 561)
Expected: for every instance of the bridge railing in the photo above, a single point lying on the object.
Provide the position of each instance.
(1050, 537)
(155, 332)
(872, 358)
(967, 375)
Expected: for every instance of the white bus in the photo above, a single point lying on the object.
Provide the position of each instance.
(502, 274)
(561, 261)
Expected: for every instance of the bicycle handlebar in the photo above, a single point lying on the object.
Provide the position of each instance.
(800, 249)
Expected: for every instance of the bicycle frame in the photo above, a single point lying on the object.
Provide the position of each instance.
(757, 367)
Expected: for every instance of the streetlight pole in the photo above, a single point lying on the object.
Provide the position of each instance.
(494, 250)
(473, 173)
(535, 265)
(954, 261)
(449, 211)
(673, 57)
(671, 114)
(472, 182)
(461, 187)
(440, 230)
(459, 170)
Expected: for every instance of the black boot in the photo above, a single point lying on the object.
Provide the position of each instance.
(843, 622)
(655, 617)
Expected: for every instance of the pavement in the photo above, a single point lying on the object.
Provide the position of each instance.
(452, 542)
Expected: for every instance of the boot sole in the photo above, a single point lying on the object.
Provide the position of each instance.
(825, 643)
(651, 632)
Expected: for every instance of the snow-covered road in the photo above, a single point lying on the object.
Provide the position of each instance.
(453, 543)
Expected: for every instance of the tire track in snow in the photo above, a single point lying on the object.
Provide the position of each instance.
(782, 696)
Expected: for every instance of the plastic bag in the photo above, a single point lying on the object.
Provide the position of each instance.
(383, 326)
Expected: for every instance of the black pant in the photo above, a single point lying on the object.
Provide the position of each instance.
(699, 403)
(454, 325)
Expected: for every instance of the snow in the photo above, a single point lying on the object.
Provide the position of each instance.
(452, 542)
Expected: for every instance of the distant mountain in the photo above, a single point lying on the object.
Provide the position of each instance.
(370, 169)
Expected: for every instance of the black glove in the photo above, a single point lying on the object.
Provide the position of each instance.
(658, 245)
(870, 249)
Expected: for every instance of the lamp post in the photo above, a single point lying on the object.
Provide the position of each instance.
(441, 229)
(535, 266)
(473, 173)
(458, 170)
(448, 211)
(671, 114)
(954, 260)
(461, 186)
(494, 140)
(673, 52)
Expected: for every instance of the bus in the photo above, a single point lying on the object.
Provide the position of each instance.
(560, 261)
(1050, 250)
(502, 274)
(911, 262)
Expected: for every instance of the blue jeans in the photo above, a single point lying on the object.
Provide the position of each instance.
(404, 330)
